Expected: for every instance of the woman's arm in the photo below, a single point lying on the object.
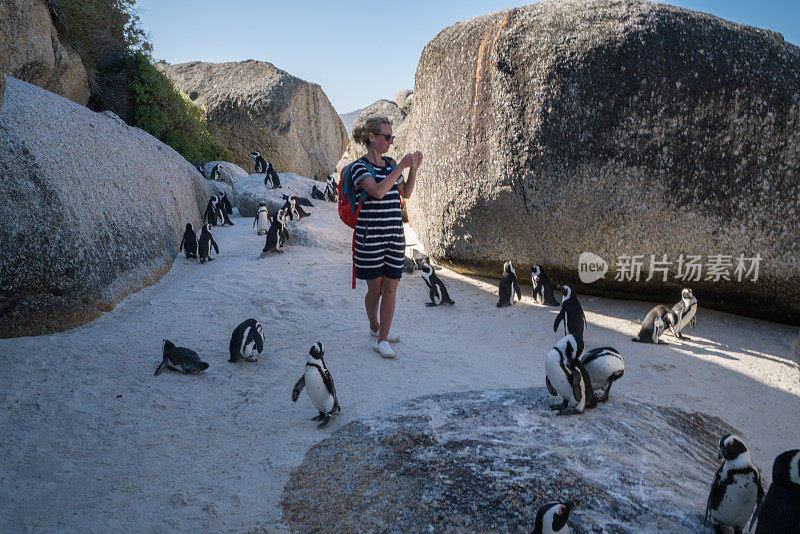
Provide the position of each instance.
(407, 187)
(378, 191)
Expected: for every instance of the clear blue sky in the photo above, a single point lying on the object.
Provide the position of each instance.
(355, 62)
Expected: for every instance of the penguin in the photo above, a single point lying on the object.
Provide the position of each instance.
(552, 518)
(259, 163)
(189, 242)
(655, 323)
(422, 259)
(283, 218)
(319, 383)
(272, 176)
(438, 293)
(571, 313)
(780, 509)
(206, 241)
(262, 218)
(180, 359)
(737, 488)
(316, 194)
(605, 366)
(275, 240)
(331, 189)
(542, 289)
(508, 286)
(294, 202)
(247, 340)
(226, 204)
(686, 310)
(303, 201)
(567, 377)
(210, 216)
(409, 265)
(215, 173)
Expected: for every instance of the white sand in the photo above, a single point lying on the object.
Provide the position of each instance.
(91, 440)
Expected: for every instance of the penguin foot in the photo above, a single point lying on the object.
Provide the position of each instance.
(252, 359)
(430, 304)
(324, 422)
(559, 406)
(569, 411)
(319, 417)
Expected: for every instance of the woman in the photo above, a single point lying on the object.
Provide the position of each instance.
(380, 242)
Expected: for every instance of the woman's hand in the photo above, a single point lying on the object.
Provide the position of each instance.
(417, 159)
(406, 162)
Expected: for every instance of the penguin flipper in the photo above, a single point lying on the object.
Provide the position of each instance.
(214, 244)
(715, 495)
(559, 318)
(550, 388)
(160, 368)
(517, 290)
(298, 387)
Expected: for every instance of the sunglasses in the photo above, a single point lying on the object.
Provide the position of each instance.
(389, 138)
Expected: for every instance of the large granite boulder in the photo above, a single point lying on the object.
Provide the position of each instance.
(31, 51)
(388, 109)
(624, 128)
(2, 86)
(485, 461)
(252, 105)
(93, 210)
(404, 100)
(250, 191)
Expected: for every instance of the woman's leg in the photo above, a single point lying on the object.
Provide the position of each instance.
(388, 295)
(372, 300)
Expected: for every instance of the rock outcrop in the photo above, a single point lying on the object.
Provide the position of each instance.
(250, 191)
(485, 461)
(623, 128)
(404, 100)
(93, 210)
(31, 51)
(388, 109)
(252, 105)
(2, 86)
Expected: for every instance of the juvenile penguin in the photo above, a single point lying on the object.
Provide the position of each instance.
(206, 242)
(567, 377)
(247, 340)
(318, 382)
(226, 204)
(275, 240)
(316, 194)
(571, 313)
(215, 173)
(780, 510)
(189, 242)
(180, 359)
(331, 189)
(508, 286)
(655, 323)
(542, 289)
(272, 177)
(605, 366)
(686, 310)
(737, 488)
(258, 162)
(211, 215)
(262, 219)
(552, 518)
(437, 292)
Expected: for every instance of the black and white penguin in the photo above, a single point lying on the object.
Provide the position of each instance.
(571, 313)
(290, 207)
(542, 289)
(780, 510)
(737, 488)
(189, 242)
(552, 518)
(567, 377)
(655, 323)
(409, 265)
(211, 215)
(275, 240)
(222, 216)
(318, 382)
(437, 292)
(215, 173)
(262, 218)
(686, 310)
(272, 177)
(247, 340)
(293, 202)
(316, 194)
(180, 359)
(205, 243)
(508, 286)
(258, 162)
(283, 219)
(331, 189)
(605, 366)
(226, 204)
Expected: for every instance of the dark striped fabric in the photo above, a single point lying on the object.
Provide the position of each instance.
(380, 241)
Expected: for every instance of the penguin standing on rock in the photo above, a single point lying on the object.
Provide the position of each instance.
(508, 286)
(605, 366)
(206, 242)
(655, 323)
(189, 242)
(686, 310)
(272, 176)
(294, 202)
(567, 377)
(316, 194)
(552, 518)
(180, 359)
(571, 313)
(331, 189)
(737, 488)
(438, 293)
(319, 383)
(215, 173)
(259, 163)
(262, 219)
(780, 511)
(542, 289)
(247, 340)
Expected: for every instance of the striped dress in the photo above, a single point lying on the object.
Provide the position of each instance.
(380, 241)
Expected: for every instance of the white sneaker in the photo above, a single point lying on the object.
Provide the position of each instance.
(384, 349)
(391, 338)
